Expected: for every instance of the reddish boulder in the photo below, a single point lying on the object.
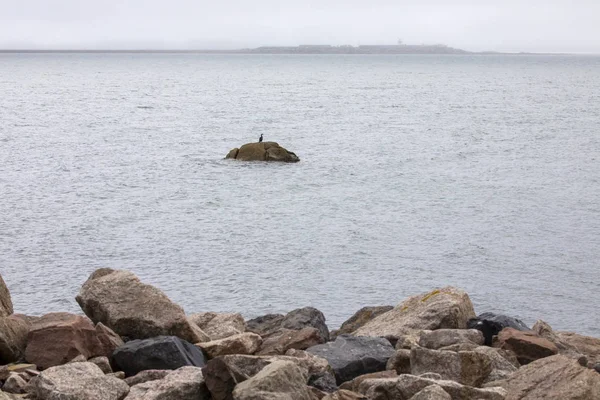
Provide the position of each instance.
(527, 345)
(13, 339)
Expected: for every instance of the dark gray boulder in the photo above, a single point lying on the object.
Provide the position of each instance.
(352, 356)
(306, 317)
(162, 352)
(265, 325)
(597, 367)
(491, 324)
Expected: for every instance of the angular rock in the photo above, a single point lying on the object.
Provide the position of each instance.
(351, 356)
(360, 318)
(465, 367)
(344, 395)
(222, 374)
(286, 339)
(58, 338)
(186, 383)
(305, 318)
(131, 308)
(77, 381)
(7, 370)
(118, 375)
(586, 345)
(243, 343)
(219, 326)
(501, 367)
(554, 377)
(399, 362)
(15, 384)
(447, 337)
(280, 380)
(407, 341)
(6, 306)
(467, 346)
(354, 384)
(448, 308)
(265, 325)
(162, 352)
(433, 392)
(103, 363)
(109, 340)
(263, 151)
(490, 325)
(147, 376)
(13, 339)
(597, 367)
(527, 345)
(407, 386)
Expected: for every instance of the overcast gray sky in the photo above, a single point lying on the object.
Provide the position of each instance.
(501, 25)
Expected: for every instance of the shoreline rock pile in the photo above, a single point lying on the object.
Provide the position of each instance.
(262, 151)
(134, 343)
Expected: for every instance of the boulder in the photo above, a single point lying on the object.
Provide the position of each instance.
(286, 339)
(109, 340)
(407, 386)
(162, 352)
(447, 337)
(586, 345)
(354, 384)
(406, 341)
(58, 338)
(501, 367)
(344, 395)
(186, 383)
(527, 345)
(399, 362)
(15, 384)
(446, 308)
(244, 343)
(7, 370)
(13, 339)
(305, 318)
(147, 376)
(491, 324)
(119, 300)
(433, 392)
(222, 374)
(262, 151)
(554, 377)
(351, 356)
(265, 325)
(360, 318)
(6, 306)
(280, 380)
(103, 363)
(219, 326)
(77, 381)
(465, 367)
(466, 346)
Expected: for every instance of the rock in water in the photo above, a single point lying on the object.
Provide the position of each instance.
(351, 356)
(280, 380)
(448, 308)
(78, 381)
(163, 352)
(263, 151)
(555, 377)
(131, 308)
(186, 383)
(360, 318)
(13, 339)
(6, 306)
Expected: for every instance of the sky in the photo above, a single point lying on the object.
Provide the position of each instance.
(476, 25)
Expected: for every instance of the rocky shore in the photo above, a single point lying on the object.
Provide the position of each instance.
(134, 343)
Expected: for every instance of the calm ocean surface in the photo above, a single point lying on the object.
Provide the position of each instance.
(481, 172)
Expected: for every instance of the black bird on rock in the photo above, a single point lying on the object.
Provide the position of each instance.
(260, 138)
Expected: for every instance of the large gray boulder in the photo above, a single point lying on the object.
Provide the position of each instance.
(162, 352)
(280, 380)
(243, 343)
(131, 308)
(555, 377)
(447, 337)
(6, 306)
(465, 367)
(446, 308)
(433, 392)
(186, 383)
(263, 151)
(77, 381)
(219, 325)
(501, 367)
(351, 356)
(360, 318)
(407, 386)
(13, 339)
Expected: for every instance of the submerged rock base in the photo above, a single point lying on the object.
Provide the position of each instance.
(262, 151)
(134, 343)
